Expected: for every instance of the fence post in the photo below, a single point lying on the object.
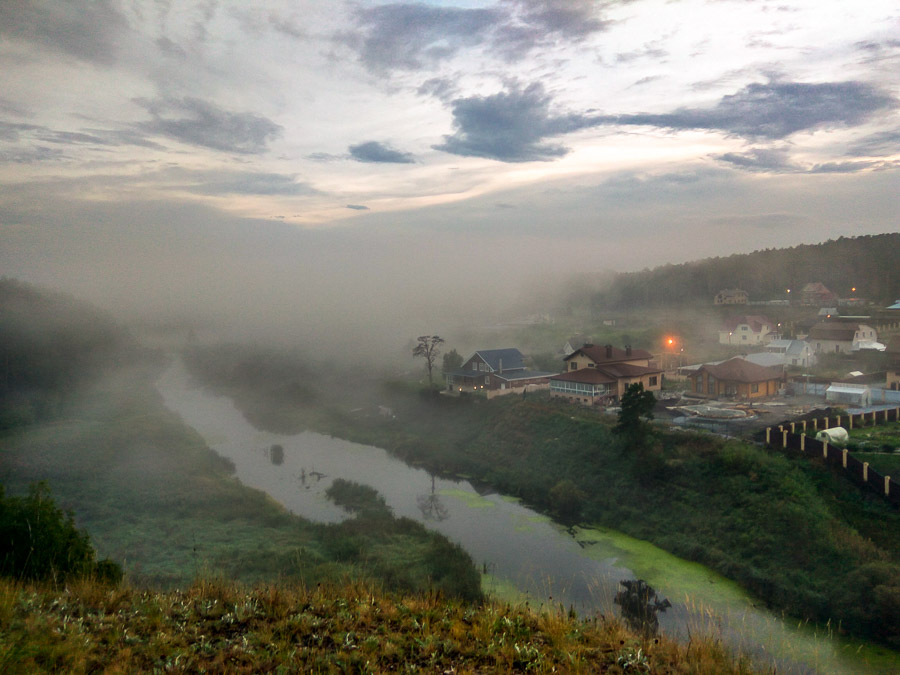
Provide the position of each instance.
(826, 422)
(865, 472)
(825, 449)
(844, 457)
(804, 426)
(838, 423)
(816, 424)
(802, 442)
(887, 486)
(768, 435)
(792, 427)
(784, 438)
(851, 419)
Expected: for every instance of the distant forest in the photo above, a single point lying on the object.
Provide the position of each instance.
(871, 264)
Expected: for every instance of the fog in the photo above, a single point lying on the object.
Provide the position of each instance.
(341, 293)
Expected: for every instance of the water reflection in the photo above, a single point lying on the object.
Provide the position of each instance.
(511, 542)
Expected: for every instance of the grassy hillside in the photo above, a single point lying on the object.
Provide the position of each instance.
(224, 628)
(789, 531)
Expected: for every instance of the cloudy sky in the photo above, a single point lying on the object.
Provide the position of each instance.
(447, 136)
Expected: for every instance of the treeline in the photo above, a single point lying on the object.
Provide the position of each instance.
(50, 343)
(867, 263)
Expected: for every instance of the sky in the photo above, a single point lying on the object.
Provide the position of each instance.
(454, 147)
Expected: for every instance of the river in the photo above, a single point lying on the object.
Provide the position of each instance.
(516, 546)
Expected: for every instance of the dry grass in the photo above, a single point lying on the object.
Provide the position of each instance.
(222, 627)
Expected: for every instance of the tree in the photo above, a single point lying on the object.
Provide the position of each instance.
(428, 347)
(453, 360)
(640, 606)
(637, 408)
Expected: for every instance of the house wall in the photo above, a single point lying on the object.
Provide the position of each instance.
(723, 388)
(743, 334)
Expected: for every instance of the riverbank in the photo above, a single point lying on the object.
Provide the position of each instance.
(221, 627)
(790, 532)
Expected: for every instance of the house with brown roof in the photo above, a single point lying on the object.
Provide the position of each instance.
(599, 375)
(736, 378)
(840, 336)
(751, 329)
(817, 295)
(731, 296)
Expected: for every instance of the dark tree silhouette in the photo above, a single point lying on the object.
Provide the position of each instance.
(637, 406)
(428, 347)
(640, 606)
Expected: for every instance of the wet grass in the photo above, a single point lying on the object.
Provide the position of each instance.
(222, 627)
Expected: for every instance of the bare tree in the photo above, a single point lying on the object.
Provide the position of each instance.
(428, 347)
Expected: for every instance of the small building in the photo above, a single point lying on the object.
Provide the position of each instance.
(736, 378)
(817, 295)
(731, 296)
(849, 394)
(795, 352)
(893, 363)
(747, 330)
(495, 372)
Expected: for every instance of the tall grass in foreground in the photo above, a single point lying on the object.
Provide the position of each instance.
(224, 627)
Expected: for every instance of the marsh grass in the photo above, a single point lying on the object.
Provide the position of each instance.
(217, 626)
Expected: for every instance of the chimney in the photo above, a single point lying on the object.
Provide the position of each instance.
(609, 351)
(627, 350)
(501, 366)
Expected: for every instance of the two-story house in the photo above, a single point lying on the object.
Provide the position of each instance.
(494, 372)
(597, 375)
(840, 335)
(747, 330)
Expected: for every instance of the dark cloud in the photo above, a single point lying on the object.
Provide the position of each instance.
(410, 36)
(759, 159)
(536, 23)
(373, 151)
(853, 167)
(776, 109)
(89, 30)
(881, 143)
(510, 126)
(30, 155)
(357, 207)
(441, 88)
(11, 131)
(198, 122)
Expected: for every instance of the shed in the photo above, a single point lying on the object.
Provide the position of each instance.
(849, 394)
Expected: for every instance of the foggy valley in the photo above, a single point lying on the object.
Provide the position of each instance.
(484, 336)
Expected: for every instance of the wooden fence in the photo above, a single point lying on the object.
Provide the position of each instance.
(793, 436)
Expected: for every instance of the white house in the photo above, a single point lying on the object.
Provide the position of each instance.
(747, 330)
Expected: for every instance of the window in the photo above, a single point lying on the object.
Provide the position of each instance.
(487, 379)
(474, 365)
(481, 367)
(573, 366)
(711, 385)
(653, 380)
(754, 388)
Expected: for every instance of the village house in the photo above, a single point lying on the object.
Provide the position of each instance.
(597, 375)
(817, 295)
(495, 372)
(747, 330)
(731, 296)
(794, 352)
(893, 364)
(736, 378)
(840, 336)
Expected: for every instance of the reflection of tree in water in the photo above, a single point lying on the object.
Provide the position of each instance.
(640, 605)
(431, 506)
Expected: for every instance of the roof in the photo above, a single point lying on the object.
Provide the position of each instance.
(847, 389)
(787, 346)
(755, 321)
(512, 358)
(816, 287)
(896, 305)
(521, 375)
(598, 354)
(833, 331)
(741, 370)
(766, 359)
(586, 376)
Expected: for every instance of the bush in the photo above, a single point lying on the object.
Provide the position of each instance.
(38, 541)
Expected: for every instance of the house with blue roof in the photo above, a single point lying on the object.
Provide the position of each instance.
(495, 372)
